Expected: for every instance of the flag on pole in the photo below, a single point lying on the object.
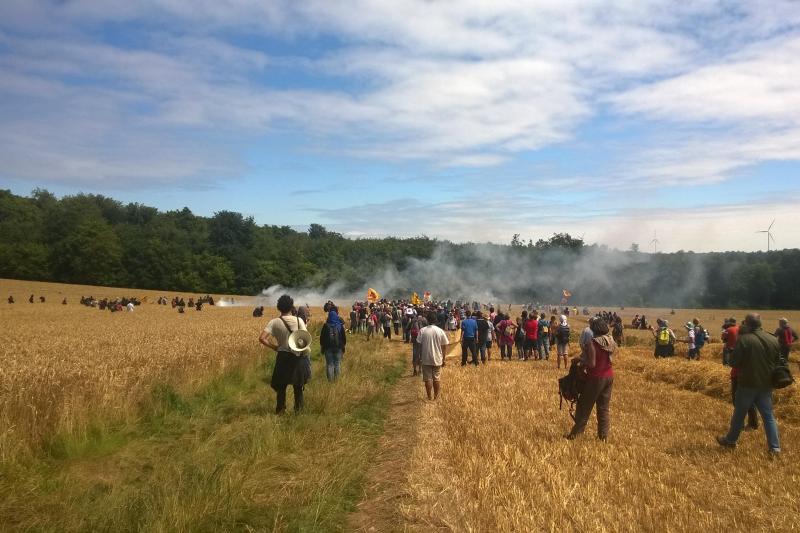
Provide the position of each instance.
(415, 299)
(565, 296)
(427, 296)
(372, 295)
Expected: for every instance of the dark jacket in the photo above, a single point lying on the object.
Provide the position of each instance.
(325, 337)
(755, 356)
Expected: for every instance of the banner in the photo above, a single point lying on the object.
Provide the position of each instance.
(427, 296)
(372, 295)
(415, 299)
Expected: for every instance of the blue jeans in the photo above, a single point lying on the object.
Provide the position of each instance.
(543, 347)
(333, 360)
(762, 399)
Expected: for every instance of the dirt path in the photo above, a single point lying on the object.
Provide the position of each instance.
(386, 488)
(386, 483)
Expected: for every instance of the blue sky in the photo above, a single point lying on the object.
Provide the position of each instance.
(466, 120)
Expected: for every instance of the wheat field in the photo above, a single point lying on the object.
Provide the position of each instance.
(489, 455)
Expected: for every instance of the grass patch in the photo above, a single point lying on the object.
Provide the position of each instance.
(218, 459)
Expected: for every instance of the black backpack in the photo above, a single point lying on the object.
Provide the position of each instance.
(571, 386)
(335, 336)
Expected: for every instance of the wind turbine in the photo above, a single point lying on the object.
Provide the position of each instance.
(655, 242)
(768, 231)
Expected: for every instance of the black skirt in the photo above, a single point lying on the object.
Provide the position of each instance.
(290, 369)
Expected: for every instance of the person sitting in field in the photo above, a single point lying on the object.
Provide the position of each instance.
(41, 299)
(30, 300)
(198, 305)
(636, 322)
(11, 299)
(64, 301)
(181, 309)
(258, 311)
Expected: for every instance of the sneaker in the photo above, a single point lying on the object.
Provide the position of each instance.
(774, 452)
(725, 444)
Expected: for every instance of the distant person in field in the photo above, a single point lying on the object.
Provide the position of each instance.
(372, 323)
(11, 299)
(333, 341)
(700, 337)
(416, 325)
(586, 337)
(755, 357)
(530, 324)
(665, 339)
(258, 311)
(730, 335)
(562, 342)
(543, 341)
(597, 358)
(30, 300)
(786, 336)
(386, 320)
(484, 333)
(505, 335)
(618, 331)
(432, 340)
(353, 319)
(64, 301)
(469, 339)
(290, 367)
(41, 299)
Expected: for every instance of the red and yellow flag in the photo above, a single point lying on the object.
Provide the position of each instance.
(415, 299)
(372, 295)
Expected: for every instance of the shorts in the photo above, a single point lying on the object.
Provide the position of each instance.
(563, 349)
(431, 373)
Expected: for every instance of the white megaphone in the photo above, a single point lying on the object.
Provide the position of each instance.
(299, 341)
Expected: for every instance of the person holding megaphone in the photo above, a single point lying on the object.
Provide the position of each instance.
(287, 335)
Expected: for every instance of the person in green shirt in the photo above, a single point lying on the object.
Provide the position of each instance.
(756, 355)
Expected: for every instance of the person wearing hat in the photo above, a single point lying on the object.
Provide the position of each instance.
(690, 340)
(786, 337)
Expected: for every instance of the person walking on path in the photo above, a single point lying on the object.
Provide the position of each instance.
(333, 342)
(291, 368)
(597, 359)
(755, 357)
(432, 340)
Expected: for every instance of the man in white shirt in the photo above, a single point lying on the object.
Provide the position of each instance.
(432, 340)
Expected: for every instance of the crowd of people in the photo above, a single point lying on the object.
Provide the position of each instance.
(430, 326)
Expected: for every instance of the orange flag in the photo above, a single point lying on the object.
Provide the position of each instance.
(372, 295)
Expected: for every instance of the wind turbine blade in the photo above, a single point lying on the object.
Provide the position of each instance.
(771, 237)
(770, 226)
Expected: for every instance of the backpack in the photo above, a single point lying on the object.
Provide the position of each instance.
(335, 337)
(570, 387)
(700, 336)
(544, 327)
(663, 337)
(563, 334)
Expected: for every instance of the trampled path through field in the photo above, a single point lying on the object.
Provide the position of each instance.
(490, 456)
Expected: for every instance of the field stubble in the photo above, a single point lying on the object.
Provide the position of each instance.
(492, 455)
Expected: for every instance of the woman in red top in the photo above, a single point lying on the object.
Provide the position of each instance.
(599, 382)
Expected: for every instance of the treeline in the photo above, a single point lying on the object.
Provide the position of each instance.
(92, 239)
